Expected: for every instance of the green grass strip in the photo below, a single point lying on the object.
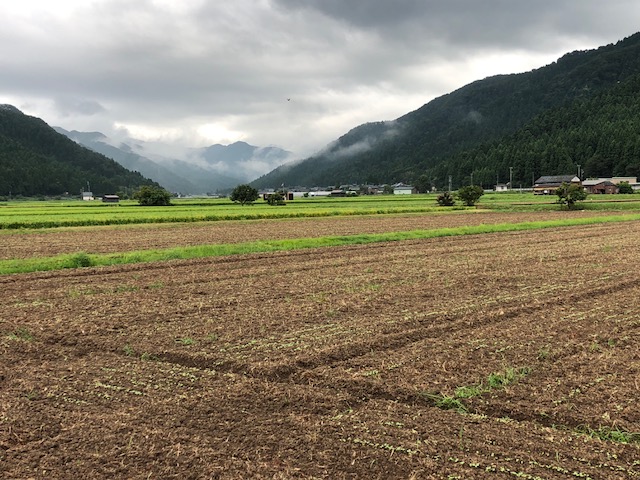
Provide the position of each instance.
(79, 260)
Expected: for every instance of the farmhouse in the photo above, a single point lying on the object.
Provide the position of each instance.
(600, 186)
(633, 181)
(87, 196)
(402, 189)
(547, 185)
(319, 193)
(110, 199)
(502, 187)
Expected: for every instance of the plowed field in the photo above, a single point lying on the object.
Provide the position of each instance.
(331, 363)
(48, 242)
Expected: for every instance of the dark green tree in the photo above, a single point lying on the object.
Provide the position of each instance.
(149, 195)
(624, 187)
(470, 194)
(244, 194)
(569, 194)
(423, 184)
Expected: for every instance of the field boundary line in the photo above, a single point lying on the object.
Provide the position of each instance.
(83, 260)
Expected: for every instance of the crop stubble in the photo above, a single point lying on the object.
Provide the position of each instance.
(49, 242)
(315, 363)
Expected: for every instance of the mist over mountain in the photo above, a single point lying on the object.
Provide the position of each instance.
(471, 132)
(189, 171)
(247, 161)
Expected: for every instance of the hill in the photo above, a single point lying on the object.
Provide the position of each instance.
(37, 160)
(431, 141)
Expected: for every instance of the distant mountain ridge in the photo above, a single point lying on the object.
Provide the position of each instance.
(190, 171)
(37, 160)
(429, 142)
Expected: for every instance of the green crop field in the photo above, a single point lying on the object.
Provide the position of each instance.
(54, 214)
(50, 214)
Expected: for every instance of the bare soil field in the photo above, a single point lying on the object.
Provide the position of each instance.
(331, 363)
(49, 242)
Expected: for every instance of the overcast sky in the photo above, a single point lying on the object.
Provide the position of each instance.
(292, 73)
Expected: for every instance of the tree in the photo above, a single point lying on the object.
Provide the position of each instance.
(570, 193)
(470, 194)
(275, 199)
(149, 195)
(624, 187)
(244, 194)
(445, 199)
(423, 184)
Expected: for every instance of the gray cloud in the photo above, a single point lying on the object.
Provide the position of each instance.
(67, 106)
(294, 73)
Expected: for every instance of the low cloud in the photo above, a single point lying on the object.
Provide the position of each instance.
(293, 73)
(68, 107)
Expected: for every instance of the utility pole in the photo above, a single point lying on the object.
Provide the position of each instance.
(579, 172)
(510, 178)
(449, 183)
(472, 179)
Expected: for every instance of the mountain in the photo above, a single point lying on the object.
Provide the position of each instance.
(431, 141)
(37, 160)
(125, 156)
(598, 136)
(246, 160)
(187, 170)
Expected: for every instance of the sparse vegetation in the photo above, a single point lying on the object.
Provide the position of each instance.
(494, 381)
(21, 334)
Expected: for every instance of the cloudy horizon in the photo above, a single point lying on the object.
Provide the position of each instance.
(296, 74)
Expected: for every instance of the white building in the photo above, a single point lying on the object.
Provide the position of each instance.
(401, 189)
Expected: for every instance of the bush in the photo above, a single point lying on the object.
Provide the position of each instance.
(276, 199)
(624, 187)
(446, 200)
(80, 260)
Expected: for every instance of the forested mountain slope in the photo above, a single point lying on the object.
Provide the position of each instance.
(37, 160)
(601, 135)
(482, 112)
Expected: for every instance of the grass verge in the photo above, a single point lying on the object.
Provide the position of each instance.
(79, 260)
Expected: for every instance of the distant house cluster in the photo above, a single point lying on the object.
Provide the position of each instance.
(343, 191)
(547, 185)
(88, 196)
(608, 185)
